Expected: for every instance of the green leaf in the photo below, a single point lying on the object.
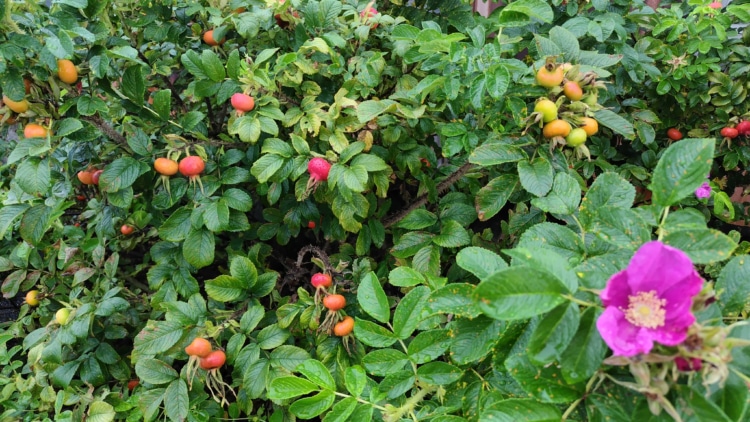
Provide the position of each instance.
(564, 197)
(272, 337)
(212, 65)
(498, 81)
(100, 411)
(133, 84)
(617, 123)
(621, 227)
(157, 337)
(287, 387)
(518, 293)
(407, 314)
(238, 199)
(452, 235)
(586, 352)
(521, 410)
(355, 380)
(266, 166)
(494, 153)
(536, 9)
(248, 128)
(65, 127)
(703, 246)
(429, 345)
(410, 243)
(609, 189)
(567, 42)
(154, 371)
(455, 298)
(121, 173)
(192, 62)
(226, 289)
(288, 357)
(402, 276)
(33, 176)
(473, 339)
(317, 373)
(35, 223)
(372, 298)
(554, 333)
(562, 240)
(368, 110)
(536, 176)
(177, 227)
(548, 260)
(479, 261)
(698, 406)
(493, 197)
(439, 373)
(198, 248)
(176, 400)
(342, 410)
(732, 287)
(163, 103)
(88, 105)
(383, 362)
(373, 334)
(543, 383)
(311, 407)
(681, 170)
(243, 269)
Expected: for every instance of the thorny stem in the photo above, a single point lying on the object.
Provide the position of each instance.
(409, 405)
(363, 401)
(8, 19)
(317, 251)
(441, 187)
(107, 129)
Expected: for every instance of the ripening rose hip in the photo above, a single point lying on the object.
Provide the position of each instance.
(730, 132)
(191, 166)
(318, 169)
(242, 102)
(213, 360)
(743, 128)
(334, 302)
(321, 280)
(674, 134)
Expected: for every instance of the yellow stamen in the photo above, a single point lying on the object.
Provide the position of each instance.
(645, 309)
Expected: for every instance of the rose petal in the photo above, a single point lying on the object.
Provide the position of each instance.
(617, 291)
(621, 336)
(671, 336)
(656, 266)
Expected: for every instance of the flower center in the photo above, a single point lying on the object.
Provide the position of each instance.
(645, 309)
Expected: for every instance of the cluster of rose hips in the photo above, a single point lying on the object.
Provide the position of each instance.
(728, 133)
(335, 321)
(66, 73)
(566, 113)
(741, 129)
(202, 354)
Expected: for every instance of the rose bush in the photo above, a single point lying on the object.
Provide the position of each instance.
(332, 209)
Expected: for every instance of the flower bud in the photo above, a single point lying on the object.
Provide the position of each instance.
(641, 373)
(688, 365)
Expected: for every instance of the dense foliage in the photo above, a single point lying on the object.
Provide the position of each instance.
(279, 210)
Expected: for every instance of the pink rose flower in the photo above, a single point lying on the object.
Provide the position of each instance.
(704, 191)
(649, 301)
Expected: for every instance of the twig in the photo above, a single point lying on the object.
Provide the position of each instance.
(421, 200)
(317, 251)
(106, 128)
